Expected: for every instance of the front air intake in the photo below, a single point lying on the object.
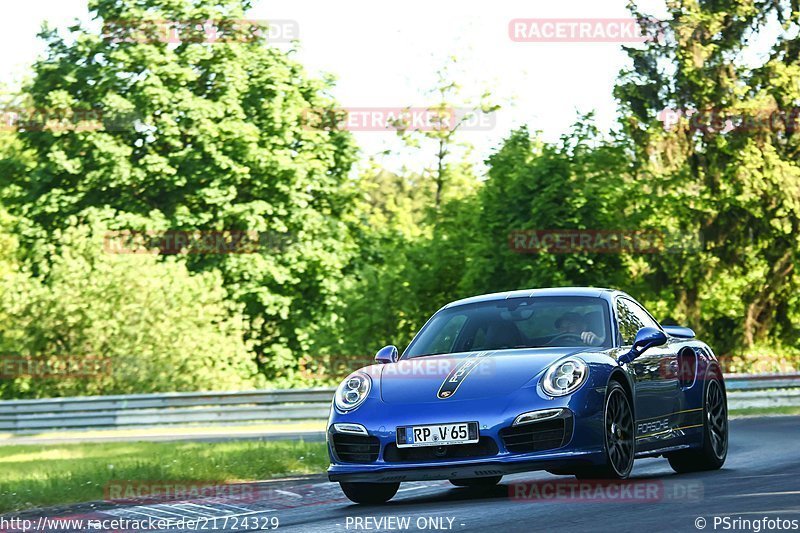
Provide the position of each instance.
(538, 436)
(355, 448)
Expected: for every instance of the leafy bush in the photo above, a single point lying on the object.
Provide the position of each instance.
(161, 327)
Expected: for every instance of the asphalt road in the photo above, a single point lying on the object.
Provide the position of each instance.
(761, 480)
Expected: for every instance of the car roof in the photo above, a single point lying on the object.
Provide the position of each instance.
(592, 292)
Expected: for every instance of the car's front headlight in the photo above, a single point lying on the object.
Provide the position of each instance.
(565, 376)
(352, 391)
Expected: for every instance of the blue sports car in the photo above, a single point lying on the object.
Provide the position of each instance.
(575, 381)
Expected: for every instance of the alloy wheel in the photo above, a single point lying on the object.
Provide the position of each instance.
(619, 432)
(716, 419)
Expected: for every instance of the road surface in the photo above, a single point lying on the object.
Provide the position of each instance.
(760, 482)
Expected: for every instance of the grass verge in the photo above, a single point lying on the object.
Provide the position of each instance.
(45, 475)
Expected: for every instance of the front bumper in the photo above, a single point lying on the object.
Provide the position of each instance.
(464, 468)
(583, 443)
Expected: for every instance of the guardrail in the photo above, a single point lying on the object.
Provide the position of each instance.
(152, 410)
(214, 408)
(762, 390)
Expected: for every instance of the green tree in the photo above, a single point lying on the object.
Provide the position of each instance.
(722, 170)
(143, 325)
(451, 113)
(412, 226)
(196, 135)
(578, 183)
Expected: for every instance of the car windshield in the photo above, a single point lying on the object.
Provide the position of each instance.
(515, 323)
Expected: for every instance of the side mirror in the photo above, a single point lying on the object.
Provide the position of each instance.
(645, 339)
(387, 354)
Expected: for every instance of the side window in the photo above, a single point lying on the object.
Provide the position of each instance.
(632, 318)
(642, 315)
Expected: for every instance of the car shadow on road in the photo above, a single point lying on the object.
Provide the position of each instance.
(651, 487)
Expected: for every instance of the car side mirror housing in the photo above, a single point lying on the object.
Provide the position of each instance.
(645, 339)
(387, 354)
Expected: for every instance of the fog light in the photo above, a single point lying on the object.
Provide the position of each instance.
(537, 416)
(356, 429)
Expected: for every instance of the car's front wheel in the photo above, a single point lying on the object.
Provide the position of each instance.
(369, 493)
(619, 438)
(490, 481)
(715, 435)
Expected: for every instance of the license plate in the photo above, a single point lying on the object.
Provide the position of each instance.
(437, 434)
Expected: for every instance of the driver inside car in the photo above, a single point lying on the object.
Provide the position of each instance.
(576, 324)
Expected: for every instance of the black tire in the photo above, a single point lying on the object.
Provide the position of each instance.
(490, 481)
(620, 440)
(369, 493)
(715, 434)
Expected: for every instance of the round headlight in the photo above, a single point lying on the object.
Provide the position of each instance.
(352, 392)
(565, 377)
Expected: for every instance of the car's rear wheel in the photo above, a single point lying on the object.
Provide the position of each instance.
(715, 434)
(619, 437)
(490, 481)
(369, 493)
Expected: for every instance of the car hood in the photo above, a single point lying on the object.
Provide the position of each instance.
(466, 376)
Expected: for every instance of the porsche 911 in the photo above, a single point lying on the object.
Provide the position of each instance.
(574, 381)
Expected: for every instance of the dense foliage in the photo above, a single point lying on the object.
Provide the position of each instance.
(214, 137)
